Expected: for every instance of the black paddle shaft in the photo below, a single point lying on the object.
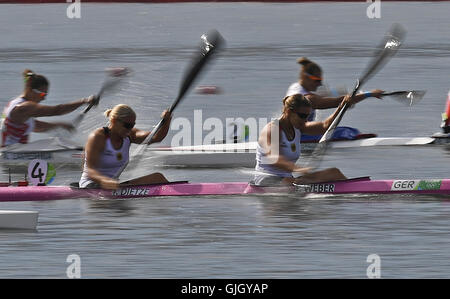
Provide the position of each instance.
(388, 47)
(210, 43)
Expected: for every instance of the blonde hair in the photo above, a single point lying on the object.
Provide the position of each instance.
(119, 111)
(295, 101)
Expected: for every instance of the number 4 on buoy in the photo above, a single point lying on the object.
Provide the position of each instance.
(40, 172)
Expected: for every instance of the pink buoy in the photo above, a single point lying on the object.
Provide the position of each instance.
(208, 89)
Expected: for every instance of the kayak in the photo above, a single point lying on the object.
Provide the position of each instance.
(441, 138)
(55, 150)
(243, 154)
(166, 1)
(63, 152)
(239, 154)
(363, 185)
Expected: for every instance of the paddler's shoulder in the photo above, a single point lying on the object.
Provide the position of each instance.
(98, 135)
(21, 106)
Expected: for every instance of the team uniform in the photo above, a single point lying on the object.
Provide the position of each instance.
(111, 162)
(13, 132)
(266, 173)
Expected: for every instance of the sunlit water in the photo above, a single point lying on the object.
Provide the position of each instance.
(236, 237)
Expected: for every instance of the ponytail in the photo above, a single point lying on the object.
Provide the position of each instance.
(34, 81)
(119, 111)
(304, 61)
(309, 67)
(27, 74)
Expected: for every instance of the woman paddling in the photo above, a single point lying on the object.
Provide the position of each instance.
(279, 145)
(310, 79)
(107, 149)
(19, 115)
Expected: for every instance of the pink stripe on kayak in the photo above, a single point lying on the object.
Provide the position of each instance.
(358, 185)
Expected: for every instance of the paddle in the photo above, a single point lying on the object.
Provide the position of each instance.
(388, 47)
(113, 78)
(407, 97)
(210, 43)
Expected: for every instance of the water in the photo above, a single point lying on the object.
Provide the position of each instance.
(236, 237)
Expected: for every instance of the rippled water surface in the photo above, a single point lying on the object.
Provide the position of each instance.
(236, 237)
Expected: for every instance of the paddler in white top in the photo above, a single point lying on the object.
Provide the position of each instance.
(107, 149)
(310, 79)
(275, 158)
(19, 115)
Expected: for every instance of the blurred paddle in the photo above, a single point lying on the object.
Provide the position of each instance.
(209, 44)
(386, 50)
(113, 79)
(406, 97)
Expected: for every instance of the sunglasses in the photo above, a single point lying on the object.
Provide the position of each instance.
(41, 93)
(315, 78)
(128, 126)
(302, 115)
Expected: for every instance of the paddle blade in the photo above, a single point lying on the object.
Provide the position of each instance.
(210, 43)
(388, 47)
(110, 85)
(407, 97)
(114, 78)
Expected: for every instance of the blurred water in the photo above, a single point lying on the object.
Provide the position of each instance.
(236, 237)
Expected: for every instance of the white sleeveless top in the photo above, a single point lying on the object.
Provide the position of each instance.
(13, 132)
(289, 149)
(296, 88)
(111, 163)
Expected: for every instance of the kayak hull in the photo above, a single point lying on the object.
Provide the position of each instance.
(353, 186)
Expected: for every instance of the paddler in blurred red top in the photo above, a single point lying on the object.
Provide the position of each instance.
(445, 125)
(19, 115)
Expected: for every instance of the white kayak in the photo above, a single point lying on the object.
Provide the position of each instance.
(243, 154)
(18, 219)
(441, 138)
(55, 150)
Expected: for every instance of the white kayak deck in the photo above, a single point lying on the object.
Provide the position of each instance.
(251, 146)
(51, 144)
(18, 219)
(243, 154)
(54, 150)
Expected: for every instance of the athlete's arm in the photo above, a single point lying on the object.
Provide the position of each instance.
(93, 149)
